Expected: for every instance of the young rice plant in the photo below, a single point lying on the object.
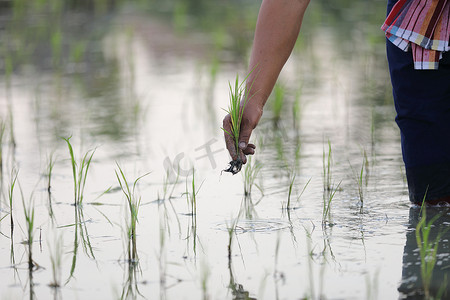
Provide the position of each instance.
(239, 97)
(79, 172)
(134, 203)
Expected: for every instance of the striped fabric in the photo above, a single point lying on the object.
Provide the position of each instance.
(423, 26)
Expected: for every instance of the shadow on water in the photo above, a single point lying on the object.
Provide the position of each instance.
(412, 285)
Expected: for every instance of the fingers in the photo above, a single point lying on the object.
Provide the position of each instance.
(245, 148)
(244, 136)
(250, 119)
(250, 150)
(229, 141)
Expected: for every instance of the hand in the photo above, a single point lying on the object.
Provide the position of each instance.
(250, 118)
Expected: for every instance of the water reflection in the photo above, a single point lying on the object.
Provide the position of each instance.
(30, 277)
(81, 235)
(130, 288)
(411, 286)
(237, 290)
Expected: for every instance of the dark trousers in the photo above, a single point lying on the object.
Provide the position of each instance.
(422, 102)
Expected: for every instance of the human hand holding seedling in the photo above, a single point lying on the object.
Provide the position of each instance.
(250, 118)
(239, 115)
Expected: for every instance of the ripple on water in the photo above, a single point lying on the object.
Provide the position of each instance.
(261, 226)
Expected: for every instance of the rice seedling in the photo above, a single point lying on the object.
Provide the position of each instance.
(327, 162)
(12, 184)
(191, 198)
(288, 204)
(442, 292)
(366, 168)
(28, 211)
(79, 172)
(428, 249)
(292, 176)
(29, 219)
(50, 164)
(359, 177)
(134, 203)
(250, 173)
(326, 209)
(231, 229)
(239, 97)
(130, 288)
(14, 175)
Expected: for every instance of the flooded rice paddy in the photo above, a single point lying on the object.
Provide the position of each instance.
(141, 209)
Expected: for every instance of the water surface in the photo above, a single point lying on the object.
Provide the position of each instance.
(144, 89)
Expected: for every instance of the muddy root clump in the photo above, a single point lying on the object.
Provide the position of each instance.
(234, 167)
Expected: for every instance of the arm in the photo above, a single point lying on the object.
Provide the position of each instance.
(277, 28)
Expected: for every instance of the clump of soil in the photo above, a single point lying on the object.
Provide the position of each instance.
(235, 166)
